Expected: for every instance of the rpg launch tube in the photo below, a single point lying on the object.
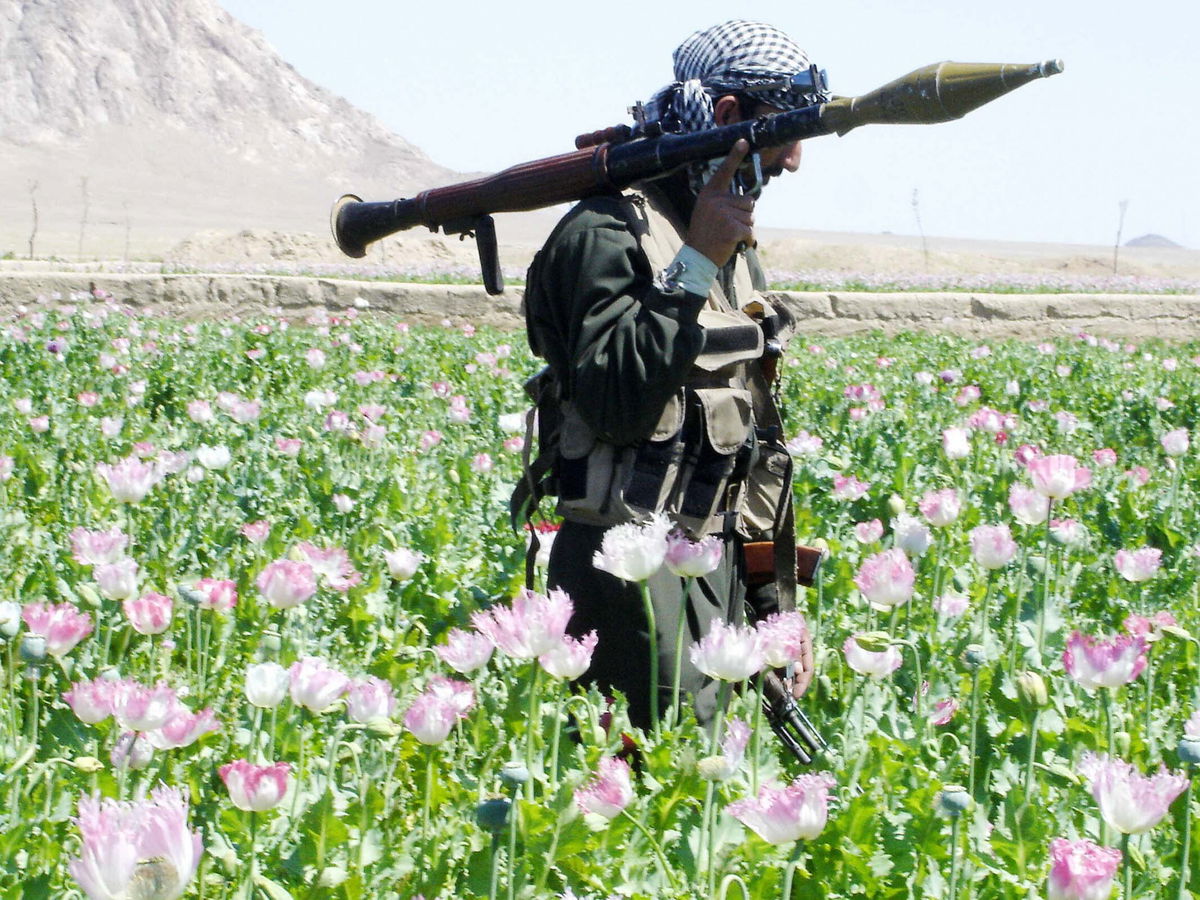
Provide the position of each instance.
(935, 93)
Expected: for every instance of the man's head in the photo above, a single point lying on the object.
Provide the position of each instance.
(735, 71)
(753, 62)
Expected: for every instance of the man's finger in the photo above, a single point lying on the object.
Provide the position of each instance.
(723, 177)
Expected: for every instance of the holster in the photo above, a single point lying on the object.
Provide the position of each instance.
(759, 557)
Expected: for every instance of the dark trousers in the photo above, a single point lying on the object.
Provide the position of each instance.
(614, 608)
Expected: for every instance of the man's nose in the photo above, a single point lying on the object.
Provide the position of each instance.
(791, 159)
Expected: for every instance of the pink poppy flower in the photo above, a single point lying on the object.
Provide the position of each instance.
(868, 532)
(1138, 565)
(129, 845)
(1058, 476)
(266, 684)
(129, 480)
(287, 583)
(1069, 532)
(693, 559)
(1148, 627)
(183, 728)
(784, 815)
(256, 532)
(1028, 506)
(465, 651)
(782, 638)
(459, 694)
(1027, 453)
(91, 701)
(571, 658)
(992, 546)
(1097, 663)
(255, 788)
(967, 394)
(941, 508)
(1081, 870)
(956, 443)
(315, 685)
(430, 718)
(368, 699)
(609, 792)
(217, 593)
(728, 652)
(117, 580)
(1176, 443)
(910, 535)
(92, 548)
(886, 579)
(991, 421)
(62, 625)
(1138, 476)
(132, 751)
(1129, 801)
(338, 422)
(150, 613)
(847, 487)
(943, 711)
(245, 411)
(403, 563)
(951, 604)
(804, 445)
(1104, 458)
(874, 663)
(200, 412)
(141, 708)
(532, 625)
(634, 551)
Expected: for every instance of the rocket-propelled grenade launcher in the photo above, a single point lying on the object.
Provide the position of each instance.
(938, 92)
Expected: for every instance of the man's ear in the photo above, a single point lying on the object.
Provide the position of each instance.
(726, 110)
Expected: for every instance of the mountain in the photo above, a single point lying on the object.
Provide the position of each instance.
(141, 121)
(1151, 240)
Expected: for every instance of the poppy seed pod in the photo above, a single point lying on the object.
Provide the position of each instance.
(974, 656)
(492, 815)
(1189, 750)
(952, 801)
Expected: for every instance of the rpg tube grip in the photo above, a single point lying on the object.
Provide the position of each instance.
(615, 135)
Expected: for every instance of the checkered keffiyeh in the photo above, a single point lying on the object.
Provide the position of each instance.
(725, 59)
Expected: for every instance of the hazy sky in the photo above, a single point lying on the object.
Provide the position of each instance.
(483, 85)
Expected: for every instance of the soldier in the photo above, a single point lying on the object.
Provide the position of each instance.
(648, 309)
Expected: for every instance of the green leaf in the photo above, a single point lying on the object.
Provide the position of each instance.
(273, 889)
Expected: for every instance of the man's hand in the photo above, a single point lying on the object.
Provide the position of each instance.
(721, 220)
(805, 667)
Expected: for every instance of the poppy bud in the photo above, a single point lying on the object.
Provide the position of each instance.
(1032, 689)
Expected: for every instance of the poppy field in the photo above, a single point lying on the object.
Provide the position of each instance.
(263, 630)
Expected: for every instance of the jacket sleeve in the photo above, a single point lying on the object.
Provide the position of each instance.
(620, 344)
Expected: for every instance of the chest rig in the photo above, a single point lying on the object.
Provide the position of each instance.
(714, 461)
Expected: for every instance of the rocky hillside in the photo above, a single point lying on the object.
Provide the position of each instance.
(147, 119)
